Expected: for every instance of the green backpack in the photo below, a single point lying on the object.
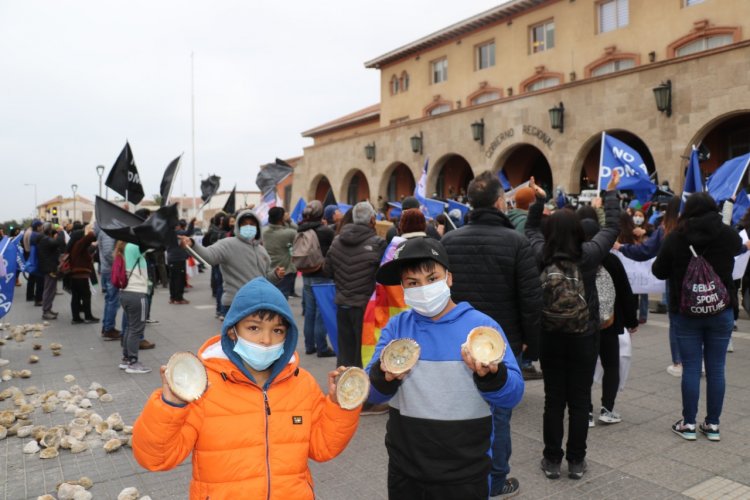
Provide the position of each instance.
(564, 307)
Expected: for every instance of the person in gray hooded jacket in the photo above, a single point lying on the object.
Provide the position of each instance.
(242, 258)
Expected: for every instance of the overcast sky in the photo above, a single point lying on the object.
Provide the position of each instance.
(78, 78)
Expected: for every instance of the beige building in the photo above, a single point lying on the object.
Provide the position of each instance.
(64, 210)
(529, 86)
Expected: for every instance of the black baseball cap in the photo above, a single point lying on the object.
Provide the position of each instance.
(411, 250)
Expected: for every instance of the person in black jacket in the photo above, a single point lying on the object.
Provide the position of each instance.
(624, 316)
(177, 259)
(314, 329)
(568, 359)
(50, 246)
(494, 269)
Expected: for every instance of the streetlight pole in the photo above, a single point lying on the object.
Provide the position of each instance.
(34, 212)
(74, 188)
(99, 172)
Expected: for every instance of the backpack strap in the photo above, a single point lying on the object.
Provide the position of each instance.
(140, 256)
(693, 251)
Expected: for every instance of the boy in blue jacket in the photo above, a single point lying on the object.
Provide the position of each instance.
(439, 427)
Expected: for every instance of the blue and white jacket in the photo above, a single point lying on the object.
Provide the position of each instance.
(440, 423)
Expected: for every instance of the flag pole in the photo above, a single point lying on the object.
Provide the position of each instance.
(601, 159)
(192, 120)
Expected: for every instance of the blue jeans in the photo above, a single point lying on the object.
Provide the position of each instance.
(643, 306)
(315, 330)
(218, 287)
(111, 302)
(501, 445)
(703, 339)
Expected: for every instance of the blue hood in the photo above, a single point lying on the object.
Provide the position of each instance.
(256, 295)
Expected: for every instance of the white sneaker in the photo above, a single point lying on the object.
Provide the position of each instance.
(675, 370)
(703, 368)
(730, 347)
(137, 367)
(591, 420)
(609, 417)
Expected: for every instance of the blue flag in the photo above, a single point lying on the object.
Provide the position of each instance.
(504, 180)
(693, 178)
(325, 294)
(431, 208)
(395, 211)
(726, 180)
(741, 205)
(9, 268)
(296, 214)
(344, 207)
(463, 208)
(616, 155)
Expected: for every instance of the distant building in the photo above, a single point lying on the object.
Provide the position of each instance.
(63, 210)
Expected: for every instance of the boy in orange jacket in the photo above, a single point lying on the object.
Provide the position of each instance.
(262, 416)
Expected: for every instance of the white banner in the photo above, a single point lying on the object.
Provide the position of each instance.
(740, 261)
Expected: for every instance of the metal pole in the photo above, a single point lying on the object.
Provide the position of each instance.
(192, 119)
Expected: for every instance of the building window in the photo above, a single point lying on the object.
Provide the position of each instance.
(688, 3)
(613, 67)
(613, 14)
(705, 43)
(439, 109)
(486, 55)
(439, 70)
(404, 81)
(543, 83)
(485, 97)
(394, 85)
(542, 37)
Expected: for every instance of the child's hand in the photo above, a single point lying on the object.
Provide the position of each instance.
(390, 377)
(166, 392)
(332, 375)
(477, 367)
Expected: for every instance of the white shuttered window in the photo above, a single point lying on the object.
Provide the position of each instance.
(613, 14)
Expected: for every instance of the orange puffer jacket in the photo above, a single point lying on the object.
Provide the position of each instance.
(243, 446)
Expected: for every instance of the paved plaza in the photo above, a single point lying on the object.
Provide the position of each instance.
(638, 458)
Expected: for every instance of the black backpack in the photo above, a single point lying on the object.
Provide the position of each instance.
(564, 307)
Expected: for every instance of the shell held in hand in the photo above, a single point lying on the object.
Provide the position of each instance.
(486, 345)
(352, 387)
(186, 376)
(400, 355)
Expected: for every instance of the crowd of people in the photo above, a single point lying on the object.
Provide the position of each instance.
(541, 274)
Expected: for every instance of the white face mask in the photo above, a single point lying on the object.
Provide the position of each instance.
(637, 220)
(428, 300)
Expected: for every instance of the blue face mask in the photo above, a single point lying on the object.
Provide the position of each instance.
(248, 232)
(259, 357)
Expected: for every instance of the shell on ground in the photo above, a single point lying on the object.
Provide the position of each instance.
(49, 453)
(112, 445)
(130, 493)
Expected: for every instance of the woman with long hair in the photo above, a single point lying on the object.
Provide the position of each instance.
(568, 359)
(703, 337)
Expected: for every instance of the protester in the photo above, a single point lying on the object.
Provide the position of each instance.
(34, 280)
(524, 198)
(406, 204)
(214, 234)
(177, 261)
(50, 247)
(82, 272)
(706, 334)
(332, 215)
(494, 269)
(242, 258)
(151, 271)
(412, 224)
(440, 421)
(106, 246)
(278, 238)
(352, 261)
(568, 357)
(257, 392)
(133, 300)
(314, 329)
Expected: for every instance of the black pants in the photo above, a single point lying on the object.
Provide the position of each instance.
(349, 322)
(403, 487)
(177, 280)
(568, 363)
(35, 288)
(609, 353)
(80, 301)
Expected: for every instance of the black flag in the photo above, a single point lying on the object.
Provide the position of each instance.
(330, 199)
(155, 232)
(168, 179)
(271, 174)
(209, 187)
(229, 206)
(124, 178)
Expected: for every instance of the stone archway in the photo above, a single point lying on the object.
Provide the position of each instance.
(319, 188)
(521, 161)
(451, 177)
(586, 166)
(355, 187)
(397, 182)
(724, 138)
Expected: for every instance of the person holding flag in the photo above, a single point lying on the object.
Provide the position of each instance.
(617, 156)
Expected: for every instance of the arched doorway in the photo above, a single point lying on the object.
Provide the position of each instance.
(589, 172)
(454, 175)
(723, 139)
(400, 183)
(521, 162)
(357, 189)
(321, 188)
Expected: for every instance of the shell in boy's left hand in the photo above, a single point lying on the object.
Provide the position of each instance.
(186, 376)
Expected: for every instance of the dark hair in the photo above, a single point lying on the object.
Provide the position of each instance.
(562, 235)
(484, 190)
(275, 215)
(626, 229)
(412, 220)
(423, 265)
(696, 205)
(671, 214)
(217, 218)
(346, 219)
(587, 212)
(268, 315)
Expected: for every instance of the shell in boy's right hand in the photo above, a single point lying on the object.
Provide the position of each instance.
(352, 387)
(400, 355)
(186, 376)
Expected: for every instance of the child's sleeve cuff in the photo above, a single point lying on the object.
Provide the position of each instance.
(175, 405)
(492, 381)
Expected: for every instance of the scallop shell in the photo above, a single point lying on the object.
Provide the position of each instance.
(3, 432)
(6, 375)
(112, 445)
(78, 433)
(85, 403)
(400, 355)
(51, 439)
(130, 493)
(352, 388)
(36, 347)
(38, 432)
(31, 447)
(33, 359)
(55, 352)
(24, 373)
(45, 497)
(106, 398)
(95, 418)
(31, 390)
(92, 395)
(186, 376)
(77, 446)
(69, 379)
(55, 346)
(486, 345)
(7, 418)
(115, 422)
(24, 431)
(109, 434)
(49, 453)
(101, 427)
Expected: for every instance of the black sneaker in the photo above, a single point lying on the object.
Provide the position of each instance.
(76, 321)
(551, 469)
(327, 354)
(577, 469)
(509, 489)
(686, 431)
(711, 431)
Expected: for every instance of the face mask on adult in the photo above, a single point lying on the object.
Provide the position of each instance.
(428, 300)
(258, 356)
(248, 232)
(637, 220)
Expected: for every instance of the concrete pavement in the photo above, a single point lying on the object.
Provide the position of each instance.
(638, 458)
